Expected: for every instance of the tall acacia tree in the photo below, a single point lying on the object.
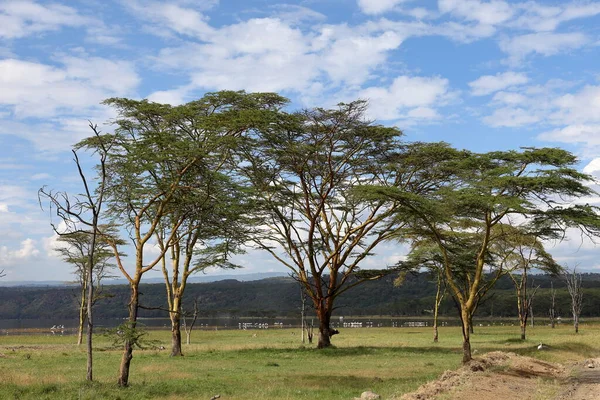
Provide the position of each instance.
(486, 191)
(206, 221)
(303, 172)
(211, 233)
(157, 151)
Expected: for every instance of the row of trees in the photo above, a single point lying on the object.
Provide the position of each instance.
(319, 190)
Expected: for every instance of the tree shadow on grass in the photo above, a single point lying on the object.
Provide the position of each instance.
(338, 352)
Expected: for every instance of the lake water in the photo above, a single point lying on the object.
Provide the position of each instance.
(53, 327)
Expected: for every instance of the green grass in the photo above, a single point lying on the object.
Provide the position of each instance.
(274, 364)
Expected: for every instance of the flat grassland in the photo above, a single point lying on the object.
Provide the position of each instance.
(268, 364)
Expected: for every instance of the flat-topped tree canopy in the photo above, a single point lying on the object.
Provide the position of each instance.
(532, 192)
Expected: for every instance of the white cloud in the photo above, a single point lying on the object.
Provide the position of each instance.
(510, 98)
(173, 96)
(580, 107)
(483, 12)
(539, 17)
(407, 98)
(39, 90)
(173, 17)
(511, 117)
(593, 167)
(544, 43)
(378, 6)
(588, 135)
(23, 18)
(488, 84)
(26, 251)
(267, 54)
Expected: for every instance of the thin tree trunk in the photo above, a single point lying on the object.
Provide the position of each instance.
(576, 322)
(466, 331)
(303, 311)
(82, 314)
(436, 309)
(128, 348)
(521, 288)
(90, 324)
(531, 314)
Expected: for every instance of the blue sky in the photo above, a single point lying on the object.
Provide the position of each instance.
(481, 75)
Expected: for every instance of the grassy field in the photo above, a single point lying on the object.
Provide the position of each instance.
(274, 364)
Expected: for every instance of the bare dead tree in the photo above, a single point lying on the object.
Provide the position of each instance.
(186, 327)
(439, 296)
(573, 281)
(309, 331)
(552, 311)
(81, 214)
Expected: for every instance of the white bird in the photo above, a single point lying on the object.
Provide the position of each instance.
(542, 346)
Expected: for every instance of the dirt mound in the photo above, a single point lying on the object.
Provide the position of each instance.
(498, 375)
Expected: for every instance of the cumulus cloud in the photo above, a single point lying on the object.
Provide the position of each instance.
(23, 18)
(26, 251)
(543, 43)
(492, 83)
(268, 54)
(543, 18)
(483, 12)
(407, 98)
(33, 89)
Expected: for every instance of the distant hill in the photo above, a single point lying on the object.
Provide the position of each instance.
(194, 279)
(280, 296)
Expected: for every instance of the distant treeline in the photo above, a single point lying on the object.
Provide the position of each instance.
(281, 297)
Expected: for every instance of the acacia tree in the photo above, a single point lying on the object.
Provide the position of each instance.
(573, 280)
(207, 221)
(157, 151)
(74, 249)
(304, 171)
(81, 214)
(485, 190)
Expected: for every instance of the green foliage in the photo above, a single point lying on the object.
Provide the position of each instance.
(136, 334)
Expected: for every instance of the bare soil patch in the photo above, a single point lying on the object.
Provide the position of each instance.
(500, 375)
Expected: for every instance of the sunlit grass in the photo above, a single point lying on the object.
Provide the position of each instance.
(266, 363)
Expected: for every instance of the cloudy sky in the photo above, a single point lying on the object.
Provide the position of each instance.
(479, 74)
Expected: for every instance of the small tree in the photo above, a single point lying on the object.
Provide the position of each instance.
(189, 326)
(521, 252)
(74, 250)
(573, 280)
